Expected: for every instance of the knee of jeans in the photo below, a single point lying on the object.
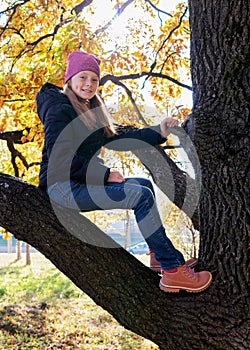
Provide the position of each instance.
(148, 184)
(147, 192)
(146, 196)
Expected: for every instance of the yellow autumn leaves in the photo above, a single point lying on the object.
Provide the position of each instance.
(36, 38)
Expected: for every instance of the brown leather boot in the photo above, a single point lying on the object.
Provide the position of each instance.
(156, 266)
(184, 278)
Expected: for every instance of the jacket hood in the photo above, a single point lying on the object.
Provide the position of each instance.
(49, 95)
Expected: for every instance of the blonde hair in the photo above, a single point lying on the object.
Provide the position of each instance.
(92, 113)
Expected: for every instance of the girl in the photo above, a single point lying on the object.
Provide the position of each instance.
(76, 126)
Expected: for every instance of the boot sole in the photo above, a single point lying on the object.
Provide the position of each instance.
(177, 289)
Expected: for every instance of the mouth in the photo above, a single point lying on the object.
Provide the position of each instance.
(87, 91)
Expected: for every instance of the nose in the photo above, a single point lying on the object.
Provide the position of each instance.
(88, 82)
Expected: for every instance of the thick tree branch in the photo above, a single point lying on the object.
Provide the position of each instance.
(87, 256)
(116, 79)
(14, 136)
(113, 278)
(179, 187)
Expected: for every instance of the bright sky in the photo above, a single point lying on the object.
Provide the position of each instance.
(104, 12)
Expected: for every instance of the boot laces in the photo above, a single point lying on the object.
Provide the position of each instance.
(190, 273)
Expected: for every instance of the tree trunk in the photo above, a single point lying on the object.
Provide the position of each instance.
(221, 85)
(18, 250)
(28, 257)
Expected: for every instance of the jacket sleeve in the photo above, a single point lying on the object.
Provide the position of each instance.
(129, 138)
(63, 134)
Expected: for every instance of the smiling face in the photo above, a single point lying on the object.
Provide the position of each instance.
(85, 84)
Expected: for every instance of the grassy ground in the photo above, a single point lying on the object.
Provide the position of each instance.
(42, 309)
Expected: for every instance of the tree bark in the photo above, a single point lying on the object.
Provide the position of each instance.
(220, 57)
(28, 257)
(221, 121)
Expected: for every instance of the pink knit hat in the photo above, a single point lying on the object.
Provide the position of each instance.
(79, 61)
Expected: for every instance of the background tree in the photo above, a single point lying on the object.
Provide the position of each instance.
(219, 127)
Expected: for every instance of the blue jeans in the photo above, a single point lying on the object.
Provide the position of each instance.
(136, 194)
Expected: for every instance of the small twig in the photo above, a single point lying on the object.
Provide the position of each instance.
(157, 9)
(10, 8)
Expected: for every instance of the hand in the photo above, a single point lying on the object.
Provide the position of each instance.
(166, 123)
(115, 176)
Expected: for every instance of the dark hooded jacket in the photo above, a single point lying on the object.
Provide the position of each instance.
(71, 151)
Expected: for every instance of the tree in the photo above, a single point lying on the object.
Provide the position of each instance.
(219, 127)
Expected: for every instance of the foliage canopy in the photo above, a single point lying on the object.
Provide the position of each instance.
(145, 60)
